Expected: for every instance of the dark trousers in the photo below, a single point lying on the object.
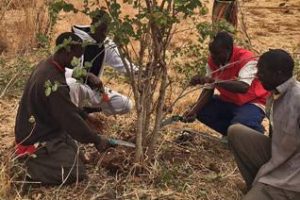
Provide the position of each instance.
(219, 115)
(252, 150)
(56, 163)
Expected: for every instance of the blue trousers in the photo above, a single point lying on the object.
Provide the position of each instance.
(219, 115)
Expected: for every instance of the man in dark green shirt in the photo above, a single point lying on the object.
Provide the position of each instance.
(46, 124)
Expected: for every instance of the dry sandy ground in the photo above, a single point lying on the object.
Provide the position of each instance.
(269, 24)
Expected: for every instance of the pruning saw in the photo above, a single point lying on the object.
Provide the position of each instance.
(121, 142)
(165, 122)
(171, 120)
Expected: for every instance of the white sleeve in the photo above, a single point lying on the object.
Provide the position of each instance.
(68, 72)
(248, 72)
(113, 59)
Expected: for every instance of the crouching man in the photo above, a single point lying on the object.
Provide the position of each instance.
(47, 124)
(271, 165)
(100, 52)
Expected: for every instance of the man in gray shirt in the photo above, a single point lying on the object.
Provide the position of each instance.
(271, 165)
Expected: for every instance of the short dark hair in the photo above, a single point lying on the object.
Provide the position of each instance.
(73, 39)
(277, 60)
(221, 40)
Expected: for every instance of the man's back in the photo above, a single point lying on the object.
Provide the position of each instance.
(283, 169)
(35, 104)
(241, 63)
(53, 121)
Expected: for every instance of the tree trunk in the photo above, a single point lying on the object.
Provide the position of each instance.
(139, 153)
(159, 112)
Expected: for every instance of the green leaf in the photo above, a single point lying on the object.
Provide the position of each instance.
(47, 84)
(205, 30)
(115, 6)
(204, 10)
(87, 64)
(31, 119)
(94, 27)
(86, 43)
(223, 25)
(79, 73)
(54, 87)
(76, 72)
(115, 10)
(76, 62)
(187, 7)
(48, 91)
(42, 39)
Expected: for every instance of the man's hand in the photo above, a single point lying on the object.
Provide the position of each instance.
(104, 144)
(94, 82)
(189, 116)
(95, 123)
(197, 79)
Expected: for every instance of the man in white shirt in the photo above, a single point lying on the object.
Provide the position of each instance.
(100, 51)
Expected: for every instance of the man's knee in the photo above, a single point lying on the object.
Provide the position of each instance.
(54, 175)
(80, 93)
(240, 135)
(56, 163)
(119, 105)
(250, 116)
(127, 106)
(234, 132)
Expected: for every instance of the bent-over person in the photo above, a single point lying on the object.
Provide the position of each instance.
(101, 51)
(46, 126)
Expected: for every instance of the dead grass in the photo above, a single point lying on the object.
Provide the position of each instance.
(3, 45)
(22, 22)
(5, 184)
(190, 171)
(193, 170)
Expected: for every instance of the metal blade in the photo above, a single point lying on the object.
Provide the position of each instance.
(121, 142)
(171, 120)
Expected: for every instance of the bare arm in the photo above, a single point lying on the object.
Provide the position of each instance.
(234, 86)
(204, 97)
(244, 79)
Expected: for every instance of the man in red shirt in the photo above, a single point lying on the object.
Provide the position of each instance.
(231, 70)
